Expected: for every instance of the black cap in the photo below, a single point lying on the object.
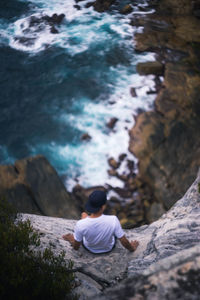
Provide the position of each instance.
(95, 201)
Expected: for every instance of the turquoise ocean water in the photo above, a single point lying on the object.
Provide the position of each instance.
(56, 87)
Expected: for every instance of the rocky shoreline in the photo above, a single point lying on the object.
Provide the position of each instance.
(165, 140)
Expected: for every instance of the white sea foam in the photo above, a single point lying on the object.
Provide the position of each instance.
(92, 156)
(86, 162)
(5, 156)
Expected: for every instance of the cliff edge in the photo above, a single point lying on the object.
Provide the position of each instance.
(166, 264)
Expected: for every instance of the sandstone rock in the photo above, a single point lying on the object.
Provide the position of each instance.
(127, 9)
(127, 223)
(177, 7)
(152, 67)
(123, 177)
(166, 264)
(113, 163)
(16, 192)
(32, 185)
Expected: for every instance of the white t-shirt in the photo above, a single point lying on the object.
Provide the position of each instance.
(98, 234)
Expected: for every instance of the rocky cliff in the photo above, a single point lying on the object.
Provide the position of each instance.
(166, 140)
(34, 186)
(166, 264)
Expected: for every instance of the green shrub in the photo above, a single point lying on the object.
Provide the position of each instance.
(26, 272)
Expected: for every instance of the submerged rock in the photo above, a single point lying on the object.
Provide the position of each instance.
(86, 137)
(166, 264)
(37, 24)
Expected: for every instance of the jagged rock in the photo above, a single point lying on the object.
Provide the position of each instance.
(89, 4)
(133, 92)
(122, 156)
(33, 186)
(166, 264)
(77, 6)
(25, 40)
(54, 30)
(112, 122)
(151, 67)
(55, 19)
(130, 165)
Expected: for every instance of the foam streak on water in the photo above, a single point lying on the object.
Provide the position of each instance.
(99, 51)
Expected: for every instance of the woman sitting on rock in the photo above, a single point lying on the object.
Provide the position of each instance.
(98, 232)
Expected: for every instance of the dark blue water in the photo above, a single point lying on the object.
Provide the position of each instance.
(56, 87)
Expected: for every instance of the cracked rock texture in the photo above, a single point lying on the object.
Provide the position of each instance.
(166, 265)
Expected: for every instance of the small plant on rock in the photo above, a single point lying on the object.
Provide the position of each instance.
(26, 272)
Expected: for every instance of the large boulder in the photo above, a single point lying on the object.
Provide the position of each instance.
(103, 5)
(151, 67)
(33, 186)
(165, 265)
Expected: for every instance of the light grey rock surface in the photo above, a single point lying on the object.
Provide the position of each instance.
(168, 256)
(95, 272)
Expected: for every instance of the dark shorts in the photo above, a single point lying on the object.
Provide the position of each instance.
(100, 252)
